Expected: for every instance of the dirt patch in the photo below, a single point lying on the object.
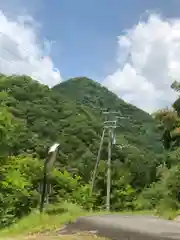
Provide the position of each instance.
(76, 236)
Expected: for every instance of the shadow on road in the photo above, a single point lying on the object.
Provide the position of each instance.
(113, 232)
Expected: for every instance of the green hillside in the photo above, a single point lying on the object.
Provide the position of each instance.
(33, 116)
(138, 128)
(61, 114)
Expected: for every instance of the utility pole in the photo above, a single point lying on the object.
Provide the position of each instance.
(109, 172)
(110, 125)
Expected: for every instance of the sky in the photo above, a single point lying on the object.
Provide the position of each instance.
(131, 47)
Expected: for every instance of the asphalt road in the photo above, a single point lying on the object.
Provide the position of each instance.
(127, 227)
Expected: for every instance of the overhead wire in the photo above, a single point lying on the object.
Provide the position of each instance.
(16, 56)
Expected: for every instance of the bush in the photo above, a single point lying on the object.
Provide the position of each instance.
(68, 188)
(164, 194)
(19, 178)
(19, 188)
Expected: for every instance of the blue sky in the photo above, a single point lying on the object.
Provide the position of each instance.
(86, 32)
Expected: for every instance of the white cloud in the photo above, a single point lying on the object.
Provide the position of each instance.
(149, 61)
(21, 52)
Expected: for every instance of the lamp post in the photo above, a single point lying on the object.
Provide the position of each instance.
(48, 164)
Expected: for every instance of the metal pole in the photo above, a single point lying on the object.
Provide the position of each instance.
(109, 171)
(97, 161)
(44, 188)
(48, 164)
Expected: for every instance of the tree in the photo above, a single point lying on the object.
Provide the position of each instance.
(19, 179)
(169, 122)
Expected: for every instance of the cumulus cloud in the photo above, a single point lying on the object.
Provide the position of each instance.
(22, 53)
(149, 61)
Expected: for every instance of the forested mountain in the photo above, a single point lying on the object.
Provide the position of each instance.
(137, 128)
(71, 114)
(33, 116)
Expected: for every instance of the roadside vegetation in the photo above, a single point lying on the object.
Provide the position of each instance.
(145, 173)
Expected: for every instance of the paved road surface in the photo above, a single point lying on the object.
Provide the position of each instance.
(129, 227)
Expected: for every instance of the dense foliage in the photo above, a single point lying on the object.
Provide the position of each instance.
(33, 116)
(164, 194)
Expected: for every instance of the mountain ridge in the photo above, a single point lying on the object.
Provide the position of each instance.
(50, 115)
(90, 82)
(82, 90)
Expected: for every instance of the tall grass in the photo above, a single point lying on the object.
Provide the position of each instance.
(53, 218)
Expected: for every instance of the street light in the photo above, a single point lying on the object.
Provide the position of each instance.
(48, 165)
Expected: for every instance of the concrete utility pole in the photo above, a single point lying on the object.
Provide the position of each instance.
(110, 125)
(109, 172)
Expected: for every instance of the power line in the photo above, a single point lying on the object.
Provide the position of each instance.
(15, 43)
(18, 58)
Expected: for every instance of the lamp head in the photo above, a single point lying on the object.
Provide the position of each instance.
(53, 147)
